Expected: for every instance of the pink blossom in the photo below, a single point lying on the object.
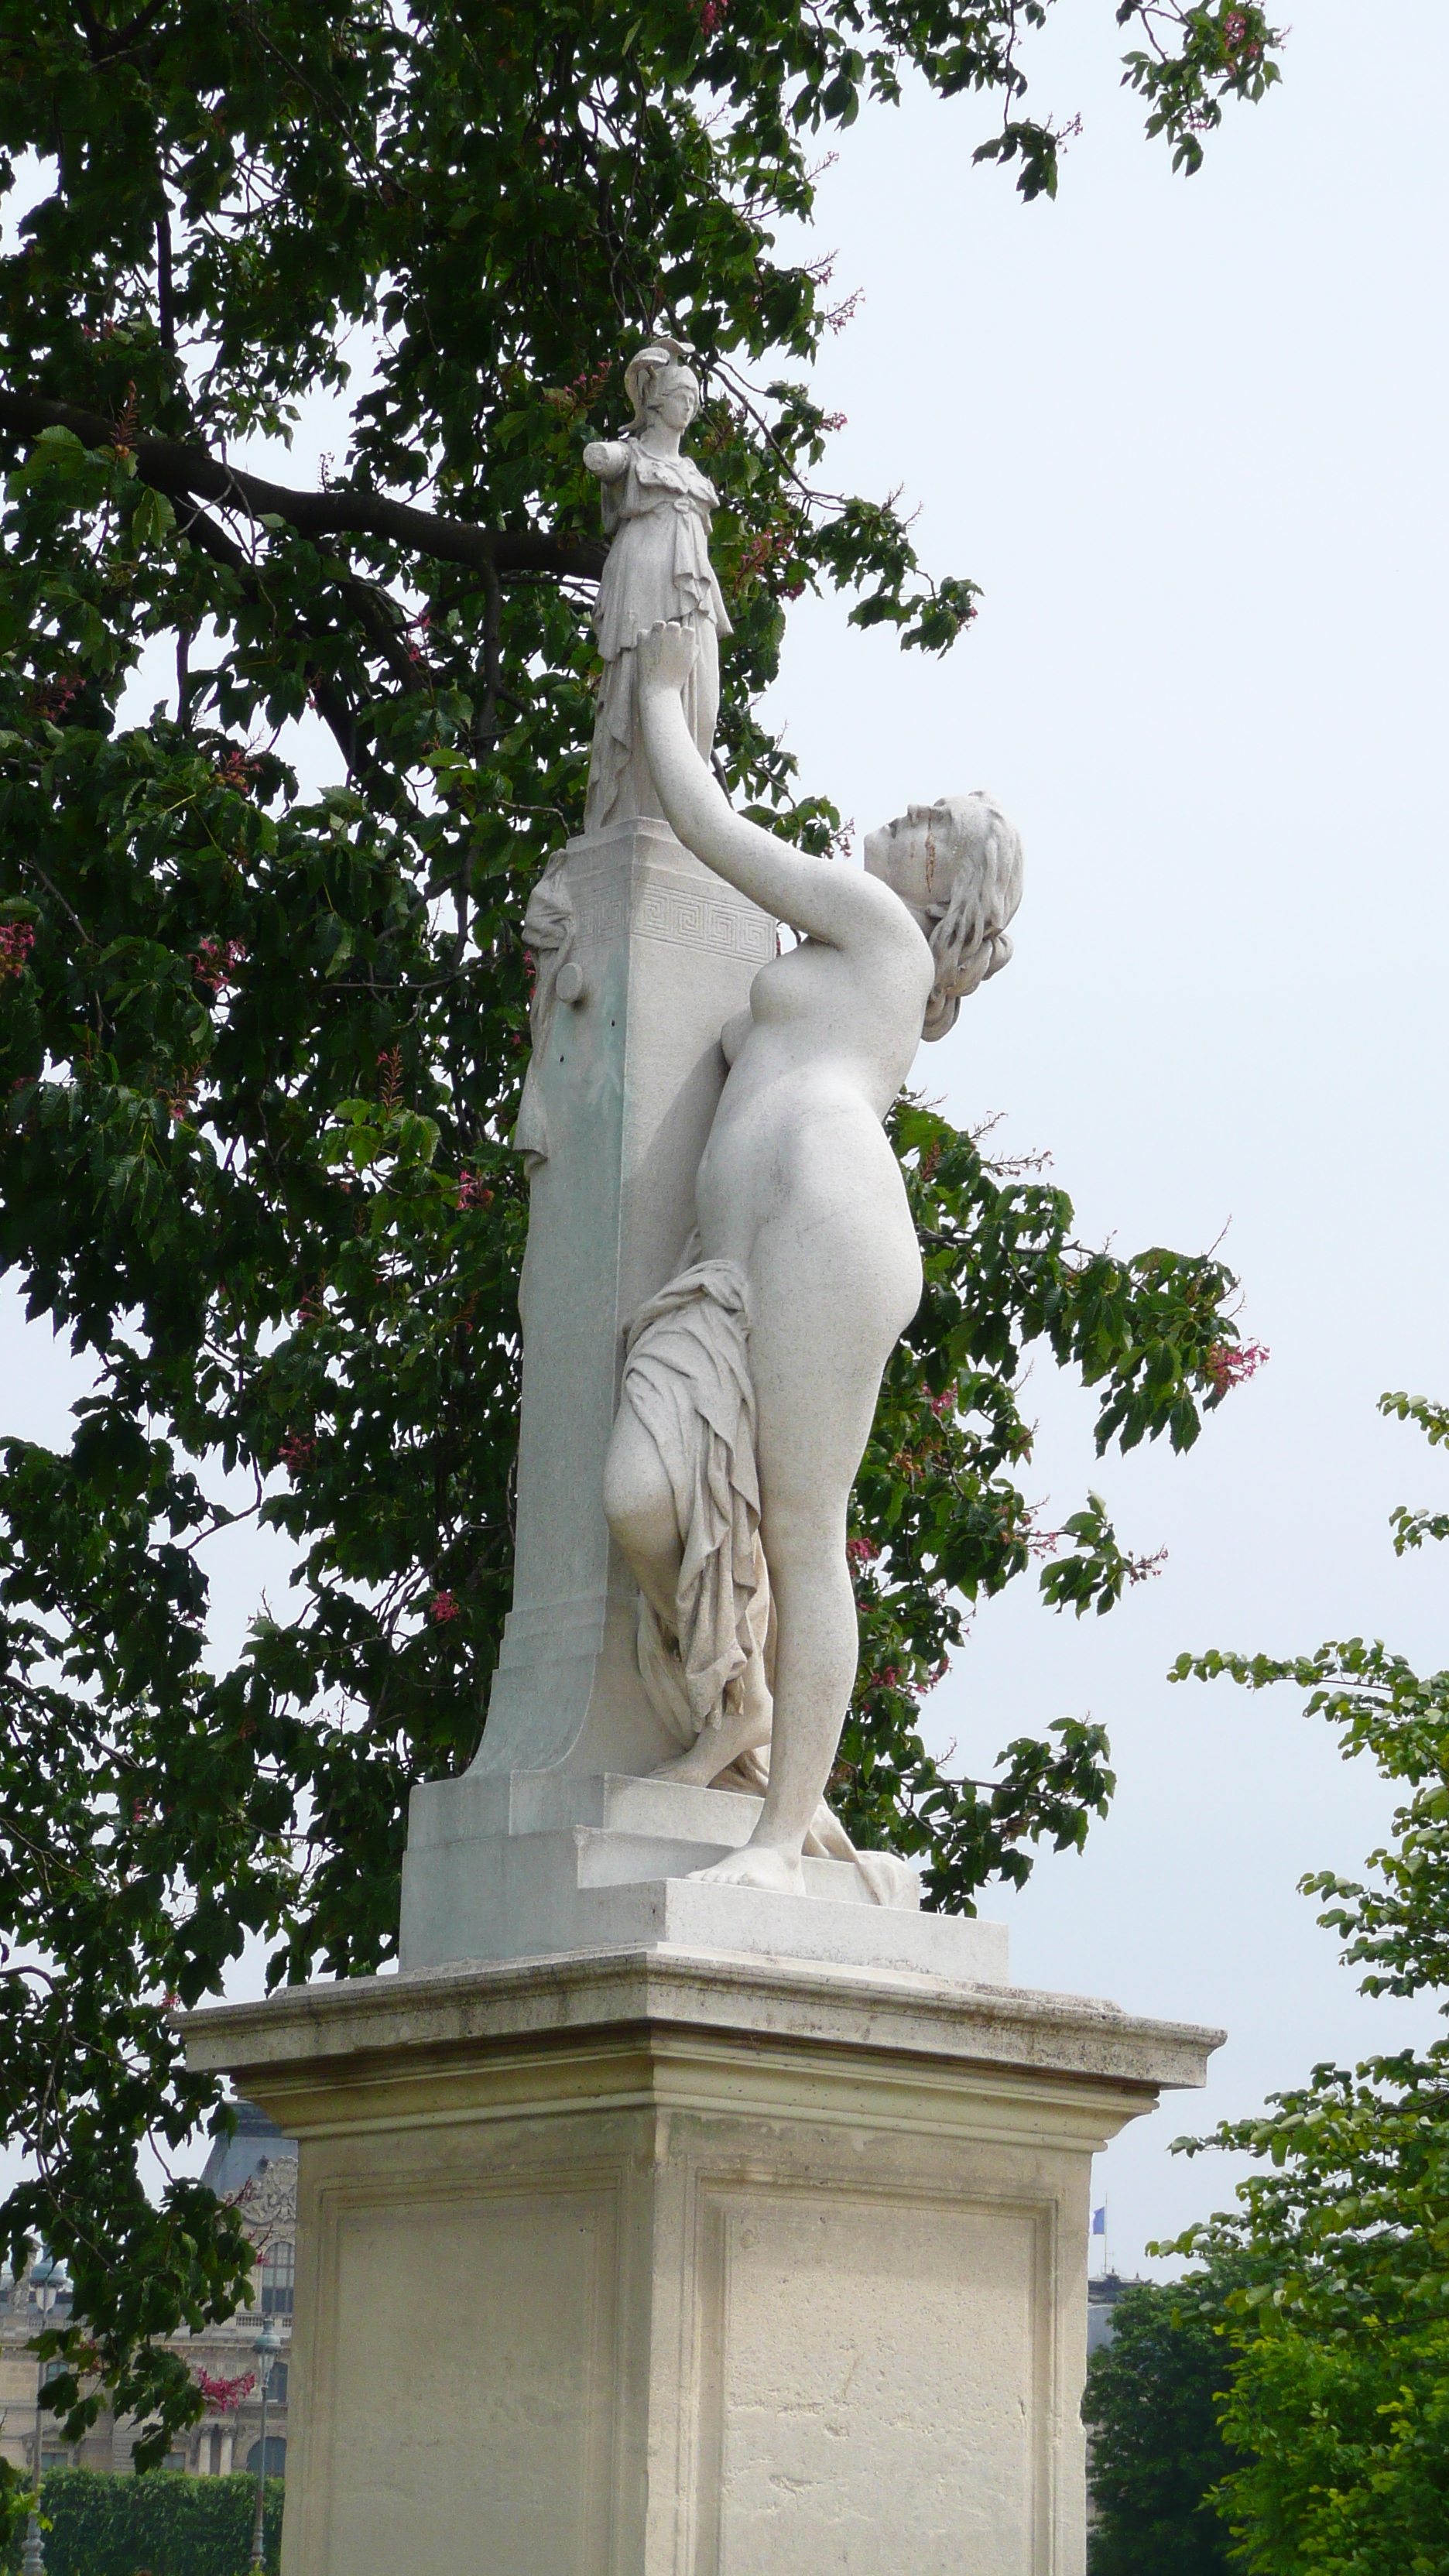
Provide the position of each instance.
(56, 696)
(1230, 1364)
(443, 1607)
(16, 942)
(215, 961)
(224, 2394)
(236, 768)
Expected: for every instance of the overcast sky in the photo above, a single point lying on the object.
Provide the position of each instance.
(1190, 438)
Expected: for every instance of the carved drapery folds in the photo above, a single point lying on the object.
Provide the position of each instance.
(687, 1383)
(549, 932)
(687, 1379)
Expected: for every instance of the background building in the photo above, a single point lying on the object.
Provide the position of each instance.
(257, 2169)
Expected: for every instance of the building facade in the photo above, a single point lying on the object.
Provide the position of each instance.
(257, 2169)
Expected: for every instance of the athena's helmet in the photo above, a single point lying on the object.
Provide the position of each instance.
(957, 866)
(645, 373)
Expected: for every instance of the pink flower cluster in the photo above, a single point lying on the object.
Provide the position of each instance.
(443, 1607)
(585, 387)
(861, 1551)
(1230, 1364)
(236, 768)
(16, 942)
(215, 962)
(473, 1191)
(56, 696)
(223, 2394)
(1236, 47)
(297, 1451)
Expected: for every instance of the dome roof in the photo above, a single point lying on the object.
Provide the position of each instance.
(255, 2143)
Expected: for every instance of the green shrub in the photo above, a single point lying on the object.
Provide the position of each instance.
(1151, 2409)
(165, 2524)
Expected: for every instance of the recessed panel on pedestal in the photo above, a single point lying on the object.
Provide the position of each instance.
(472, 2408)
(872, 2367)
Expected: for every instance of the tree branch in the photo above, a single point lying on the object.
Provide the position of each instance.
(330, 701)
(181, 471)
(165, 309)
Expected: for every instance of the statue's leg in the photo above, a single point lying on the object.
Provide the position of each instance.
(639, 1508)
(716, 1747)
(832, 1289)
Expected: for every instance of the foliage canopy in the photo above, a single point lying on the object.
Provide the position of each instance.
(1156, 2455)
(1339, 2248)
(260, 1048)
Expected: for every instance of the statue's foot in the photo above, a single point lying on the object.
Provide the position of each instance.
(758, 1865)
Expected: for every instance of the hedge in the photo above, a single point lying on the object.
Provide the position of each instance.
(165, 2524)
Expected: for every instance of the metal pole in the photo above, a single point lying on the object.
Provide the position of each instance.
(259, 2521)
(32, 2562)
(266, 2348)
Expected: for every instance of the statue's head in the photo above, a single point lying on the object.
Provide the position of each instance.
(661, 385)
(957, 866)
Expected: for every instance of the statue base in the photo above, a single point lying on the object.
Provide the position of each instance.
(519, 1865)
(652, 2263)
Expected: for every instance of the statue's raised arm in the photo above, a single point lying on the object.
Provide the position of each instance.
(751, 1380)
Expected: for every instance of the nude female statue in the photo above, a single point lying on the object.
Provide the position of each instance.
(752, 1380)
(657, 511)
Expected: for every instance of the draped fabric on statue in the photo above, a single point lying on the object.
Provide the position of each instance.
(548, 939)
(687, 1381)
(657, 512)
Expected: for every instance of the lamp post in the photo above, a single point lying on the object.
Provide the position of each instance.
(266, 2349)
(49, 2280)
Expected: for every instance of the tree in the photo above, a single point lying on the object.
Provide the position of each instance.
(260, 1051)
(1339, 2396)
(1156, 2452)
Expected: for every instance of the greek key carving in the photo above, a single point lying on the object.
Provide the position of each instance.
(679, 913)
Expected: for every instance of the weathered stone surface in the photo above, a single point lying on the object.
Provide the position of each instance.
(680, 2265)
(623, 1088)
(503, 1866)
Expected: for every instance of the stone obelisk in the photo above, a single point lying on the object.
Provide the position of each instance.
(626, 1073)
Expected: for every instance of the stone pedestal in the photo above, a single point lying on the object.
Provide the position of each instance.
(648, 2263)
(519, 1865)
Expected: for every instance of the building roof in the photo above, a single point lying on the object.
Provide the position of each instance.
(255, 2143)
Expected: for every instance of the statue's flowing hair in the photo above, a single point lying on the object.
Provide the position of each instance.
(978, 852)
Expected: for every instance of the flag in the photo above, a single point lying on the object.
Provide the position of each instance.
(1099, 2220)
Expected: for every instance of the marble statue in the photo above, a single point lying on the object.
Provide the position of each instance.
(750, 1380)
(657, 512)
(684, 2104)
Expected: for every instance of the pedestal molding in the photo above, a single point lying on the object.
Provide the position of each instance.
(793, 2002)
(691, 2265)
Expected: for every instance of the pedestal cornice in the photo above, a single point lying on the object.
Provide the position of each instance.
(675, 2010)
